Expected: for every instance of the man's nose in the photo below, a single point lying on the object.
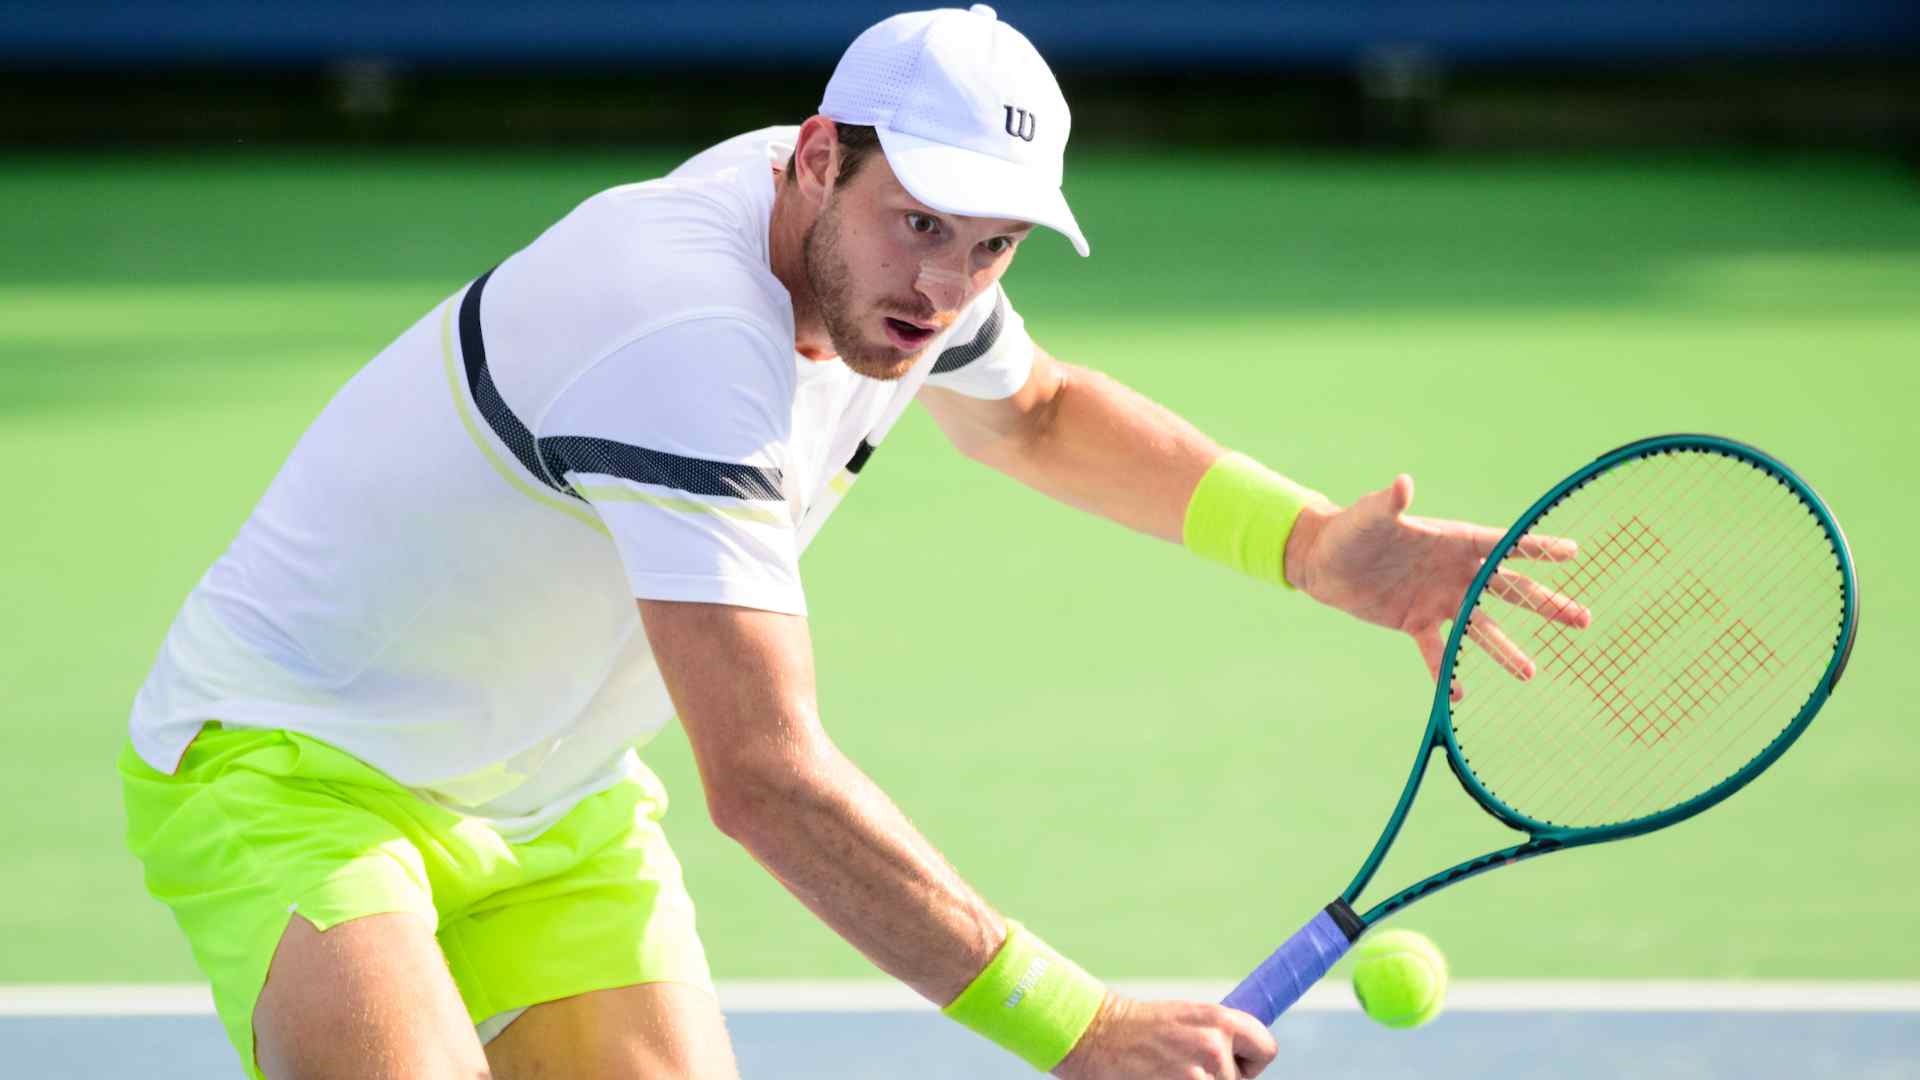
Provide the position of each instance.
(944, 285)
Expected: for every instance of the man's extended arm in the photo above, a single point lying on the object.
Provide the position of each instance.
(742, 683)
(1087, 440)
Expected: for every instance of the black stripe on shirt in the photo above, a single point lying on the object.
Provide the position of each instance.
(550, 459)
(486, 396)
(582, 453)
(959, 356)
(859, 459)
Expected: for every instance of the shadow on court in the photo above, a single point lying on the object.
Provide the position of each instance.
(870, 1046)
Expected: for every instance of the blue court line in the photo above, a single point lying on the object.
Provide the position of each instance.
(892, 1044)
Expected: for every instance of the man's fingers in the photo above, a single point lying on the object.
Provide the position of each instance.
(1487, 634)
(1545, 548)
(1400, 494)
(1522, 591)
(1390, 501)
(1432, 642)
(1253, 1045)
(1482, 539)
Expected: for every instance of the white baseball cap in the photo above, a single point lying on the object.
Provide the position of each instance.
(968, 114)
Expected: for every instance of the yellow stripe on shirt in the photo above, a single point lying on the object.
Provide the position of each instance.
(619, 493)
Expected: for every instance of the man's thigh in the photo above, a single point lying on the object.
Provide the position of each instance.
(603, 905)
(664, 1030)
(255, 857)
(369, 999)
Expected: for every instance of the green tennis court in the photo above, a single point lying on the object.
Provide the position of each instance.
(1085, 721)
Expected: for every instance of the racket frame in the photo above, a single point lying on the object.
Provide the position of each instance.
(1305, 957)
(1543, 837)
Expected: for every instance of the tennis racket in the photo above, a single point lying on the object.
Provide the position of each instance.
(1723, 607)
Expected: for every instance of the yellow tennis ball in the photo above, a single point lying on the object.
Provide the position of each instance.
(1400, 978)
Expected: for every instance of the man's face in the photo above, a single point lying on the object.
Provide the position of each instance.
(889, 273)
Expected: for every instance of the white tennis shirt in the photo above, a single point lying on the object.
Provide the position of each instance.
(441, 578)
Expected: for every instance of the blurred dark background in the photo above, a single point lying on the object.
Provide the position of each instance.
(1405, 74)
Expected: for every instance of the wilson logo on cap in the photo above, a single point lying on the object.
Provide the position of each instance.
(1019, 123)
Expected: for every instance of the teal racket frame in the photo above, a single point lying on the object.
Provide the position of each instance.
(1543, 837)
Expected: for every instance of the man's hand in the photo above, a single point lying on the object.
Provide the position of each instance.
(1407, 573)
(1158, 1040)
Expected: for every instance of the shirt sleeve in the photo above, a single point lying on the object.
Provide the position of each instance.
(989, 354)
(679, 439)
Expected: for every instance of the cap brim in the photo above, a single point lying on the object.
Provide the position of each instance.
(972, 184)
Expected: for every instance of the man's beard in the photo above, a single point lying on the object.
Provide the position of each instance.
(831, 283)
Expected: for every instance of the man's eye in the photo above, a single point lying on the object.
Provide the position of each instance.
(923, 224)
(1000, 245)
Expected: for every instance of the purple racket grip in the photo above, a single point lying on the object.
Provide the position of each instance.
(1280, 980)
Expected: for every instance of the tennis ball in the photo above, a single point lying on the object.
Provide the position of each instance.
(1400, 978)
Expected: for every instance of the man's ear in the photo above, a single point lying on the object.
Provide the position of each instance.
(816, 158)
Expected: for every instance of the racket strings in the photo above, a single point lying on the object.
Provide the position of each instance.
(1557, 638)
(1571, 742)
(1716, 600)
(1719, 660)
(1790, 648)
(1803, 660)
(1586, 577)
(1738, 655)
(1667, 702)
(1630, 644)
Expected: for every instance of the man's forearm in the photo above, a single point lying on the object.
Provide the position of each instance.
(742, 682)
(1098, 445)
(835, 840)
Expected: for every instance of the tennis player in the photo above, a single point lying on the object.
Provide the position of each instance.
(383, 770)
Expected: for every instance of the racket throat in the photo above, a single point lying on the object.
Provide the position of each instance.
(1346, 919)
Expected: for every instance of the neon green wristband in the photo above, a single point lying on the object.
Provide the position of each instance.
(1030, 999)
(1241, 514)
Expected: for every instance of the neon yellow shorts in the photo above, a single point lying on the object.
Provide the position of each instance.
(257, 824)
